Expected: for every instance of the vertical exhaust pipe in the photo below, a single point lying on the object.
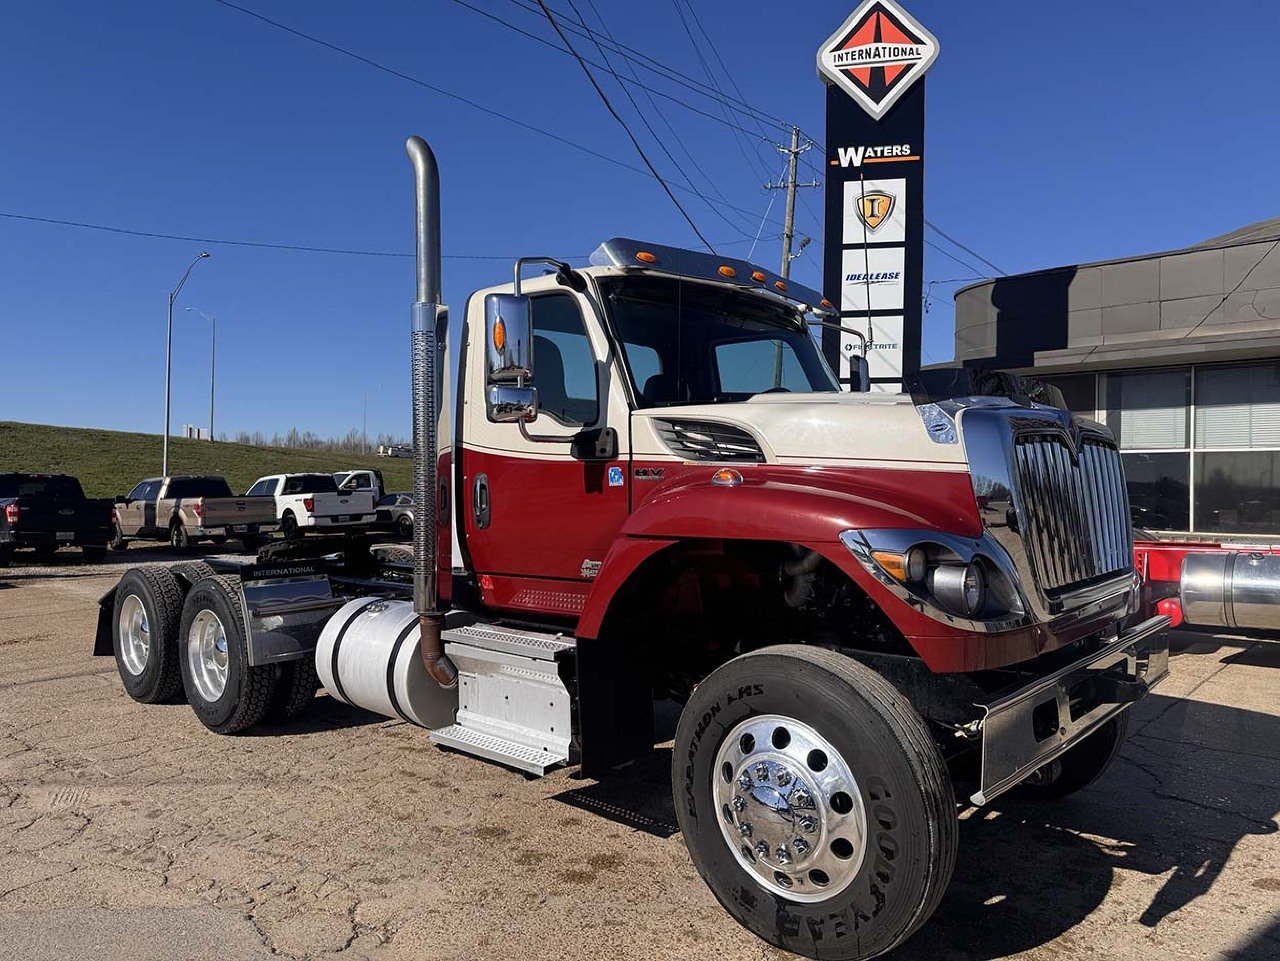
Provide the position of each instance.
(430, 332)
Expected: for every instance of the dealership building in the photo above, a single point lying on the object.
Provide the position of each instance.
(1177, 352)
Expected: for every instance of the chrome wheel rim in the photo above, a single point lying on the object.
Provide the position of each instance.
(207, 655)
(789, 808)
(135, 635)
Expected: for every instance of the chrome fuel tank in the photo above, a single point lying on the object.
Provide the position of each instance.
(1237, 589)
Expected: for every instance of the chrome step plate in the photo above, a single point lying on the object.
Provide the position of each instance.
(495, 749)
(513, 707)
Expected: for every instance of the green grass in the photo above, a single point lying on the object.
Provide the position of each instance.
(110, 462)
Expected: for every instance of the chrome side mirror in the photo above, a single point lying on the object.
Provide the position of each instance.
(509, 404)
(508, 323)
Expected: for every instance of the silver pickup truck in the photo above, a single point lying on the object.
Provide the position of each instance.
(188, 508)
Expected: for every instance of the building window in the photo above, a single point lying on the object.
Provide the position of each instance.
(1148, 411)
(1238, 406)
(1159, 490)
(1238, 492)
(1079, 391)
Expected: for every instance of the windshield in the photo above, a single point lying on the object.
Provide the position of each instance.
(198, 487)
(691, 343)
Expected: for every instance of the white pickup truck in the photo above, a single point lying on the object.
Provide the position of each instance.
(313, 502)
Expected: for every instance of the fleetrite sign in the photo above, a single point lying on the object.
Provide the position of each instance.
(874, 66)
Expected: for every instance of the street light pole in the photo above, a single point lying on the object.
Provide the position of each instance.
(168, 361)
(213, 362)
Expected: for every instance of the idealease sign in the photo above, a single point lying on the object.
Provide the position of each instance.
(874, 66)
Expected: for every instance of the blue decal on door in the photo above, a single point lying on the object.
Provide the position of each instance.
(615, 476)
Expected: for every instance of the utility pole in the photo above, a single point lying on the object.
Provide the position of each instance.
(789, 225)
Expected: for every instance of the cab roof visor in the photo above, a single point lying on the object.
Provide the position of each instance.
(625, 253)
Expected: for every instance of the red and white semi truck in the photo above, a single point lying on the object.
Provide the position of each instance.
(872, 608)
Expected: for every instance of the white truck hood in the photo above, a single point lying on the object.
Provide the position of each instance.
(851, 430)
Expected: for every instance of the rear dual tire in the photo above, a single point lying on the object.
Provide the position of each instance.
(874, 863)
(146, 615)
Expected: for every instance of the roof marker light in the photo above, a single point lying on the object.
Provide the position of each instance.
(645, 257)
(758, 276)
(726, 477)
(726, 271)
(781, 285)
(826, 303)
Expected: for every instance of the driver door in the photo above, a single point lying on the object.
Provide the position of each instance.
(540, 514)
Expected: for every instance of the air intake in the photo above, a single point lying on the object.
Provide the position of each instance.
(703, 441)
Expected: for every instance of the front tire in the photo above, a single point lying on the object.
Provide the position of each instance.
(814, 802)
(147, 612)
(118, 541)
(1080, 766)
(226, 693)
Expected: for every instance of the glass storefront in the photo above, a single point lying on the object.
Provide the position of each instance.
(1201, 445)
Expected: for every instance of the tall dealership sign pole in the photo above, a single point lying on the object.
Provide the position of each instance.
(874, 68)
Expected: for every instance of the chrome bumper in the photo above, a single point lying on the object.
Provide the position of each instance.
(1029, 727)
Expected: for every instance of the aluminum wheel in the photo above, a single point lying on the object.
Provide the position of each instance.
(790, 808)
(135, 635)
(207, 655)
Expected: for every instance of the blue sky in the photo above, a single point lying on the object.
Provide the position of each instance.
(1051, 139)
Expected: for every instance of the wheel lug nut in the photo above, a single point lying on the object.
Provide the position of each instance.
(762, 849)
(784, 777)
(744, 781)
(739, 803)
(801, 846)
(745, 829)
(783, 854)
(762, 771)
(800, 798)
(809, 825)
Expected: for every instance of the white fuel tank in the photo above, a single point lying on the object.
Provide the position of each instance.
(368, 657)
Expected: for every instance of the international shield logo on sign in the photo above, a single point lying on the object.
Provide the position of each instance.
(877, 54)
(874, 208)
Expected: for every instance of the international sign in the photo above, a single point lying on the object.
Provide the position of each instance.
(876, 55)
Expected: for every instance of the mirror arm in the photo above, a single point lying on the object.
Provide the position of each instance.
(563, 269)
(843, 329)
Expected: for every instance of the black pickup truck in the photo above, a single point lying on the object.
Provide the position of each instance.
(48, 511)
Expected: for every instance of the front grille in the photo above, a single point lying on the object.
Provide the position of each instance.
(704, 441)
(1073, 511)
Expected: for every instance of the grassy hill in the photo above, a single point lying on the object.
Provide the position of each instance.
(110, 462)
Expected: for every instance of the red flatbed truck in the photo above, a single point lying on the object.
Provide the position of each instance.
(869, 606)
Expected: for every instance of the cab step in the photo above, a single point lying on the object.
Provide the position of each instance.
(513, 707)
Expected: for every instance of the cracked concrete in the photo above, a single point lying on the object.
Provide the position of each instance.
(131, 832)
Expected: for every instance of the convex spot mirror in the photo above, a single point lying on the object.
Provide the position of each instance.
(860, 375)
(508, 323)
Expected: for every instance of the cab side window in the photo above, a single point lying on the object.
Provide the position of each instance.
(260, 489)
(139, 492)
(564, 365)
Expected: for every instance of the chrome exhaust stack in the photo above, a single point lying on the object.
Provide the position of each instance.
(430, 333)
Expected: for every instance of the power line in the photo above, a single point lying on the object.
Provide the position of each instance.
(618, 117)
(400, 75)
(645, 120)
(679, 141)
(663, 70)
(590, 34)
(184, 238)
(969, 250)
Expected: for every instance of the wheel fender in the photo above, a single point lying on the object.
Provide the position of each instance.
(102, 642)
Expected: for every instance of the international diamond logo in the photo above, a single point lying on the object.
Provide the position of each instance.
(877, 54)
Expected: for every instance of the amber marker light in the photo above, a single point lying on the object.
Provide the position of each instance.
(826, 303)
(499, 334)
(758, 276)
(894, 564)
(725, 270)
(781, 285)
(646, 258)
(726, 477)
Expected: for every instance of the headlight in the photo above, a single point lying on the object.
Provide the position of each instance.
(961, 587)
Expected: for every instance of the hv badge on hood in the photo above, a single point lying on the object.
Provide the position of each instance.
(877, 55)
